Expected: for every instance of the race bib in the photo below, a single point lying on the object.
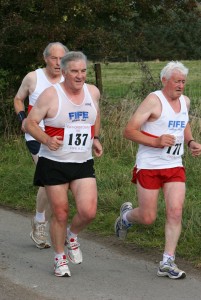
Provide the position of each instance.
(174, 151)
(77, 137)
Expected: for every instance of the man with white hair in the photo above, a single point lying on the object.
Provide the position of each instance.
(160, 126)
(33, 84)
(71, 115)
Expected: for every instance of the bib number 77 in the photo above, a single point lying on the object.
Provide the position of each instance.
(174, 151)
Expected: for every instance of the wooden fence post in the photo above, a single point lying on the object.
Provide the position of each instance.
(97, 68)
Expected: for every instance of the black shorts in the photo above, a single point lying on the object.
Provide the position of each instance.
(50, 172)
(33, 146)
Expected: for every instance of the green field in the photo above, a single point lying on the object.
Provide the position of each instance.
(119, 78)
(123, 87)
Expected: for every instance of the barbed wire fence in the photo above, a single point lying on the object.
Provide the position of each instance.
(117, 82)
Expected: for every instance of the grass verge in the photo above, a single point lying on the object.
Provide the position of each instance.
(113, 177)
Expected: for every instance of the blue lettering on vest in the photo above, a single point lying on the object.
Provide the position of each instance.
(78, 115)
(176, 124)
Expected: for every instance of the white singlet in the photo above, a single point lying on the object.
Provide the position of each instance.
(169, 122)
(77, 122)
(41, 84)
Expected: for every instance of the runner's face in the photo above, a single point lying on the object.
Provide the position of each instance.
(53, 61)
(174, 86)
(75, 74)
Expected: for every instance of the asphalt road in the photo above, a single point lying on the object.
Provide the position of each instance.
(108, 272)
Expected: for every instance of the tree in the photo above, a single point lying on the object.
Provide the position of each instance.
(166, 29)
(28, 26)
(104, 30)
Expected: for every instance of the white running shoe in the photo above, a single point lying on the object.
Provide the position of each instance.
(120, 227)
(61, 267)
(170, 269)
(39, 234)
(73, 251)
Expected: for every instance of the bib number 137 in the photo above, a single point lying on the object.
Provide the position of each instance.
(77, 137)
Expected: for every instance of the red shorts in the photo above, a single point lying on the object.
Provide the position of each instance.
(155, 179)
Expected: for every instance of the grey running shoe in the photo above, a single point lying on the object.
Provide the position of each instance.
(61, 267)
(39, 234)
(170, 269)
(73, 251)
(120, 227)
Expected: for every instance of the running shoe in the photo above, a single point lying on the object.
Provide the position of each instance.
(170, 269)
(39, 234)
(61, 267)
(73, 251)
(120, 227)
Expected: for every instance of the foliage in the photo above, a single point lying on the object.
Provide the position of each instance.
(27, 27)
(118, 30)
(106, 31)
(8, 122)
(161, 40)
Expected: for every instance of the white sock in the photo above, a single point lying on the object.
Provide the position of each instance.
(166, 256)
(70, 234)
(58, 256)
(125, 219)
(40, 217)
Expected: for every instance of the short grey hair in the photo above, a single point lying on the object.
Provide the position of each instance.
(46, 52)
(171, 67)
(72, 56)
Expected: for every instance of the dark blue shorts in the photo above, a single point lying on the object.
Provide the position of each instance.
(33, 146)
(50, 172)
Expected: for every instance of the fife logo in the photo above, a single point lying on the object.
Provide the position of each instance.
(78, 116)
(176, 124)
